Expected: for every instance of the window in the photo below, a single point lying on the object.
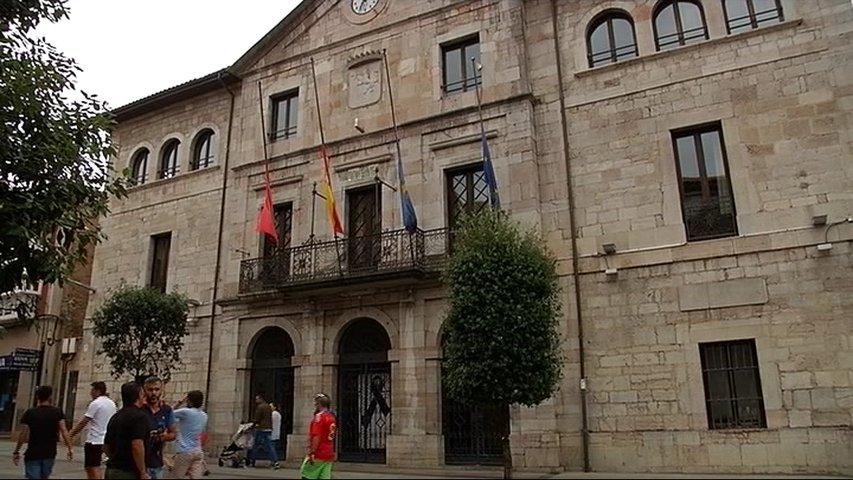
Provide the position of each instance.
(160, 245)
(285, 113)
(139, 166)
(611, 38)
(458, 69)
(169, 166)
(283, 215)
(203, 150)
(467, 191)
(732, 385)
(742, 15)
(679, 22)
(706, 194)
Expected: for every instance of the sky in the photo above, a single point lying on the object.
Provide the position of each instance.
(129, 49)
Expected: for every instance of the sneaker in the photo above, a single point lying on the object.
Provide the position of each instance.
(276, 466)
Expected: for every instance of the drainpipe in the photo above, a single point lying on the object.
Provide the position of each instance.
(218, 265)
(575, 269)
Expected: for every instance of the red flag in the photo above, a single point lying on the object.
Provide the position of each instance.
(266, 222)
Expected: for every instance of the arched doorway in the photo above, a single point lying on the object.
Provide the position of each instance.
(272, 375)
(472, 433)
(364, 392)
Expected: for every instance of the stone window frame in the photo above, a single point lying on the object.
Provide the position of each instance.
(169, 163)
(607, 16)
(289, 130)
(461, 43)
(752, 16)
(735, 398)
(696, 131)
(197, 162)
(689, 336)
(139, 165)
(680, 33)
(159, 284)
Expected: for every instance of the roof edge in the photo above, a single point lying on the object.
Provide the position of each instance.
(263, 44)
(183, 91)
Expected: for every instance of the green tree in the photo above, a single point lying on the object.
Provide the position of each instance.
(55, 173)
(502, 344)
(142, 331)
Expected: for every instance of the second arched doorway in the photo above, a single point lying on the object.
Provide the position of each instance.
(272, 376)
(364, 392)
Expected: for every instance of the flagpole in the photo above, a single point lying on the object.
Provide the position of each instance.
(267, 189)
(488, 167)
(323, 147)
(397, 143)
(313, 210)
(263, 132)
(479, 99)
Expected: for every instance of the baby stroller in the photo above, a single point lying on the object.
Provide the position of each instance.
(241, 443)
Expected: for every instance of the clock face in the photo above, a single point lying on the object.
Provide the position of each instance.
(361, 7)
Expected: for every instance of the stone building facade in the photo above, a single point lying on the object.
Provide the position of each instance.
(686, 161)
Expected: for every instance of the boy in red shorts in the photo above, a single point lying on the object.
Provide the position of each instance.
(320, 453)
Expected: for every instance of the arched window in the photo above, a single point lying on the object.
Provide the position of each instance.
(203, 150)
(169, 165)
(742, 15)
(679, 22)
(610, 38)
(139, 166)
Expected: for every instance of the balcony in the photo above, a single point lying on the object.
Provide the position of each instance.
(389, 256)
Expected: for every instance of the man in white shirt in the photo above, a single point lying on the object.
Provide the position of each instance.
(97, 417)
(276, 427)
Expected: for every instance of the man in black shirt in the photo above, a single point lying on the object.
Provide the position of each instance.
(40, 428)
(127, 435)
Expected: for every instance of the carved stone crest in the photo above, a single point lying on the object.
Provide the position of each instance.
(364, 82)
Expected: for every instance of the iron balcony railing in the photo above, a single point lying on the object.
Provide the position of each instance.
(366, 257)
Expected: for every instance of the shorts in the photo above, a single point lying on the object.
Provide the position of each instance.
(319, 469)
(92, 455)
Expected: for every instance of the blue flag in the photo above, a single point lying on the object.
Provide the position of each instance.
(489, 174)
(407, 209)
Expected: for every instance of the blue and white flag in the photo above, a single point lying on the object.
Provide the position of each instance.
(489, 174)
(407, 209)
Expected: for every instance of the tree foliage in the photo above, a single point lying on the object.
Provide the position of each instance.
(142, 331)
(502, 345)
(55, 174)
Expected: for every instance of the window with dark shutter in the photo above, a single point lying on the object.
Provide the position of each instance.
(161, 244)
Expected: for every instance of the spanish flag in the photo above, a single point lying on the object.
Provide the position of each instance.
(328, 193)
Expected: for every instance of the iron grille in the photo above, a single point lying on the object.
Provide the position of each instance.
(399, 252)
(732, 385)
(473, 434)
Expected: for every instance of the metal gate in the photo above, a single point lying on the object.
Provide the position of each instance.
(473, 433)
(364, 393)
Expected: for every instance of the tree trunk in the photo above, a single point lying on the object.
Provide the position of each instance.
(507, 457)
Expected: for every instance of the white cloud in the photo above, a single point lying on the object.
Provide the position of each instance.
(129, 49)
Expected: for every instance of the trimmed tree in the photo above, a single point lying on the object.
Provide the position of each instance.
(142, 331)
(55, 175)
(502, 344)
